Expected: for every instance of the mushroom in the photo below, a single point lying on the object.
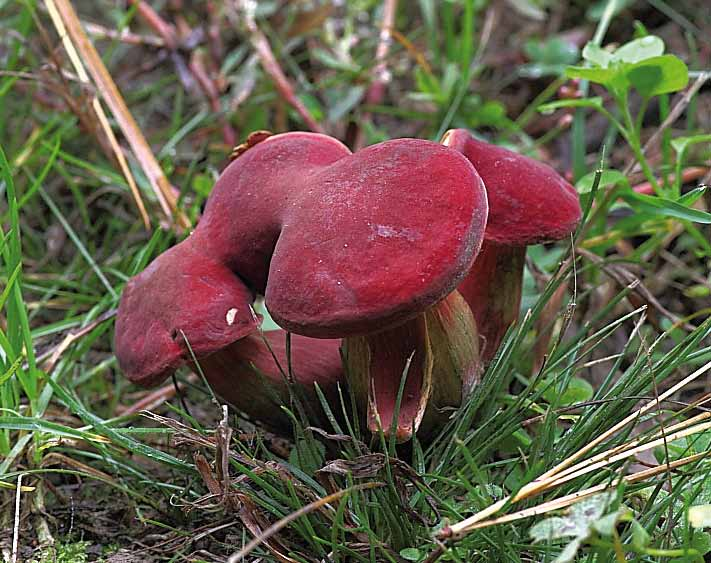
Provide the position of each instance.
(341, 245)
(529, 203)
(186, 306)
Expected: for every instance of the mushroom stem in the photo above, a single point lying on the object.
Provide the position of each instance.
(436, 353)
(246, 374)
(493, 291)
(376, 364)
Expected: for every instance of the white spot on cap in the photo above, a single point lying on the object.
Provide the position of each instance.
(230, 316)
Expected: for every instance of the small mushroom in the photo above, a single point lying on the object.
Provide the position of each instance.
(341, 245)
(529, 203)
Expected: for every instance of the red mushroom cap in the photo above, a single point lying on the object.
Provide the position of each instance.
(529, 202)
(341, 243)
(181, 295)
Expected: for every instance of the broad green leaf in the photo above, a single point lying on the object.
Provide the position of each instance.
(548, 57)
(658, 75)
(578, 391)
(569, 552)
(555, 528)
(606, 524)
(597, 75)
(701, 542)
(664, 207)
(639, 50)
(608, 178)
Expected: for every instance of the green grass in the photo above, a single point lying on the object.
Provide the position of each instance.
(71, 236)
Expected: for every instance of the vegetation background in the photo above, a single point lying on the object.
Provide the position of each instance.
(102, 170)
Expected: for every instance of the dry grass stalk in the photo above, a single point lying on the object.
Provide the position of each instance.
(674, 114)
(261, 45)
(567, 470)
(570, 499)
(381, 75)
(98, 110)
(77, 42)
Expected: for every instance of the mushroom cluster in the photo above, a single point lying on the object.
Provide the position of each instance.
(369, 259)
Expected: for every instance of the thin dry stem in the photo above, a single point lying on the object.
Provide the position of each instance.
(381, 75)
(74, 34)
(16, 526)
(274, 528)
(568, 500)
(674, 114)
(261, 45)
(161, 27)
(124, 36)
(59, 24)
(553, 476)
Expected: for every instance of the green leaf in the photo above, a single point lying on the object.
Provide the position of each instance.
(608, 178)
(697, 291)
(548, 57)
(658, 75)
(569, 552)
(680, 144)
(555, 528)
(329, 61)
(701, 542)
(606, 524)
(202, 184)
(550, 107)
(578, 391)
(664, 207)
(345, 102)
(596, 55)
(597, 75)
(640, 536)
(639, 50)
(411, 554)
